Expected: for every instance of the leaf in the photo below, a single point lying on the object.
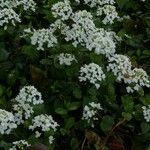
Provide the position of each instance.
(146, 52)
(61, 111)
(128, 103)
(127, 116)
(111, 92)
(106, 123)
(74, 144)
(73, 106)
(30, 51)
(146, 100)
(77, 92)
(145, 127)
(5, 145)
(1, 90)
(69, 123)
(3, 55)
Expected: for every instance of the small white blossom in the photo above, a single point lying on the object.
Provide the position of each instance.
(7, 122)
(28, 4)
(120, 65)
(42, 37)
(8, 15)
(24, 101)
(20, 145)
(93, 3)
(66, 59)
(92, 73)
(138, 78)
(37, 134)
(51, 139)
(146, 113)
(90, 112)
(110, 13)
(43, 123)
(62, 10)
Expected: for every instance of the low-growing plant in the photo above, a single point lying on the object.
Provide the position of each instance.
(74, 74)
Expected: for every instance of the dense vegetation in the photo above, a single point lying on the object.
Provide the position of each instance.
(74, 74)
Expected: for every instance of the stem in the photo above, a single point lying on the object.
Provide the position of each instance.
(110, 133)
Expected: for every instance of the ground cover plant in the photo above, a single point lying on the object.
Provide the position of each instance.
(74, 74)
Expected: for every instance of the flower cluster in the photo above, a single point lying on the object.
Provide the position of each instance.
(7, 122)
(23, 107)
(62, 10)
(110, 13)
(121, 67)
(92, 73)
(146, 113)
(8, 13)
(42, 37)
(83, 31)
(138, 78)
(21, 145)
(104, 8)
(103, 42)
(43, 123)
(94, 3)
(28, 4)
(66, 59)
(90, 112)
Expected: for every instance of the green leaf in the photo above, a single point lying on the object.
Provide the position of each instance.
(73, 106)
(127, 116)
(74, 144)
(61, 111)
(111, 92)
(145, 127)
(69, 123)
(30, 51)
(77, 92)
(5, 145)
(146, 100)
(3, 55)
(146, 52)
(106, 123)
(1, 90)
(128, 103)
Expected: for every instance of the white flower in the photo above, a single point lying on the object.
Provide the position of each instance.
(51, 139)
(24, 101)
(93, 3)
(42, 37)
(28, 4)
(29, 94)
(8, 15)
(66, 59)
(43, 123)
(7, 122)
(90, 112)
(92, 73)
(138, 78)
(21, 145)
(37, 134)
(146, 113)
(84, 32)
(110, 13)
(62, 10)
(120, 65)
